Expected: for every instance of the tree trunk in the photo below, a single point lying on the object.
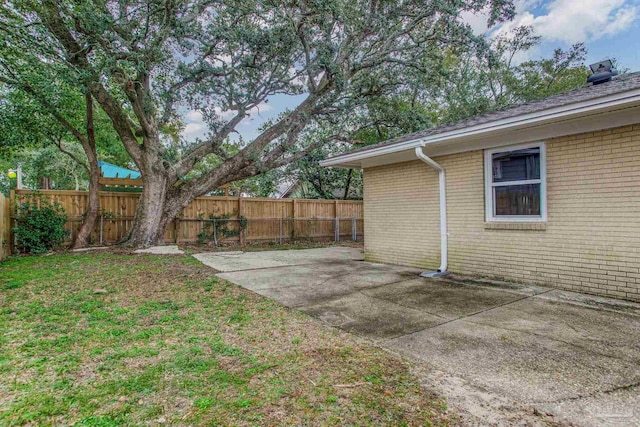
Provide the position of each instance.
(149, 224)
(348, 185)
(93, 206)
(45, 183)
(93, 202)
(172, 209)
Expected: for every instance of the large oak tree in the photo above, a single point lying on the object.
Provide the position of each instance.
(146, 62)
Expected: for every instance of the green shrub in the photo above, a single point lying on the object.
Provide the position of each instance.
(39, 226)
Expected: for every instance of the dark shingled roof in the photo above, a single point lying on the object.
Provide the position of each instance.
(621, 83)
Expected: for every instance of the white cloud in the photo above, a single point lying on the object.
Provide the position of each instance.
(572, 21)
(194, 130)
(478, 21)
(564, 21)
(195, 126)
(225, 115)
(568, 21)
(193, 116)
(220, 60)
(259, 109)
(623, 20)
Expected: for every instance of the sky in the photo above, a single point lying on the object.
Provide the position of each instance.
(609, 28)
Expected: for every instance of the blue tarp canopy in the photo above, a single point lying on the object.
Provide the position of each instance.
(112, 171)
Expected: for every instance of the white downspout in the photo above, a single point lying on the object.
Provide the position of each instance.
(443, 215)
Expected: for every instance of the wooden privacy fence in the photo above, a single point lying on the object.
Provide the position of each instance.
(5, 227)
(216, 219)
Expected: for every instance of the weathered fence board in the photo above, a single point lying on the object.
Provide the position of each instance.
(5, 227)
(264, 218)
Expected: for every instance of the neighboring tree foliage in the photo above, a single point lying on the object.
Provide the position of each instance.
(144, 61)
(50, 168)
(39, 226)
(472, 84)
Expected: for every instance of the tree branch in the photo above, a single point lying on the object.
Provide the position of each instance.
(58, 143)
(76, 56)
(206, 147)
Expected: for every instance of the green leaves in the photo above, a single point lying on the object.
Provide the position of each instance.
(39, 226)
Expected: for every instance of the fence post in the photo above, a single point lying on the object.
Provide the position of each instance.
(354, 229)
(12, 214)
(241, 236)
(5, 227)
(281, 230)
(15, 237)
(101, 229)
(293, 221)
(177, 225)
(336, 229)
(215, 234)
(335, 211)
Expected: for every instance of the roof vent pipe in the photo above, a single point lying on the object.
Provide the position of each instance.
(442, 271)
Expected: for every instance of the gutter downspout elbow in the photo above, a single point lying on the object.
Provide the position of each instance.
(442, 271)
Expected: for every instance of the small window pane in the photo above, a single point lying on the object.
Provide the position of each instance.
(517, 165)
(513, 200)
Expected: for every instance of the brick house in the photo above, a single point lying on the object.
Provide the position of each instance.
(546, 192)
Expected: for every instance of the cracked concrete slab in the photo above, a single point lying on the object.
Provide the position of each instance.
(493, 349)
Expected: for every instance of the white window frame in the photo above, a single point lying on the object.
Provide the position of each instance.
(489, 185)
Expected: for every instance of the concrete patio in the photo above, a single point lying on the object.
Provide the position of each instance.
(501, 353)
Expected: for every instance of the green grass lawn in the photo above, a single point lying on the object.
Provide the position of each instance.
(168, 343)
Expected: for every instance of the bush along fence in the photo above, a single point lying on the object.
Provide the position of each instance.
(213, 220)
(39, 226)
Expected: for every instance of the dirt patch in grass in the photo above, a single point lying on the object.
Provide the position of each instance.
(170, 343)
